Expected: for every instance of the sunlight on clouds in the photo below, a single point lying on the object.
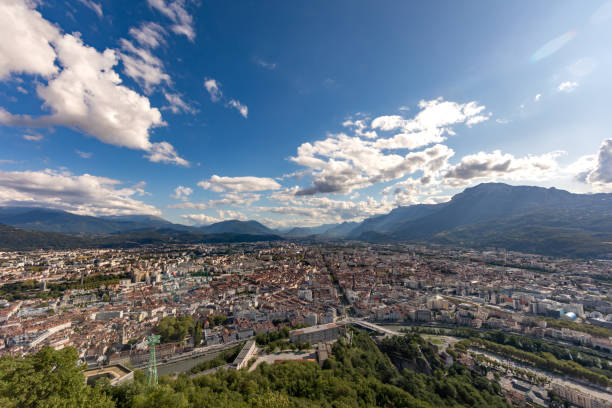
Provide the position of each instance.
(87, 92)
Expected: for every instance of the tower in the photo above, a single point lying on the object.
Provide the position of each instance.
(152, 341)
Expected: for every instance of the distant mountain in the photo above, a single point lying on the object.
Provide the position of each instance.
(16, 239)
(340, 230)
(387, 222)
(308, 231)
(50, 220)
(525, 218)
(143, 219)
(237, 227)
(324, 231)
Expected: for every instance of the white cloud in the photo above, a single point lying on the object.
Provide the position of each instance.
(567, 86)
(232, 215)
(86, 93)
(213, 88)
(360, 126)
(231, 199)
(149, 34)
(264, 64)
(181, 193)
(200, 219)
(35, 137)
(243, 109)
(496, 165)
(83, 155)
(175, 11)
(25, 40)
(323, 210)
(142, 66)
(537, 97)
(602, 172)
(164, 152)
(84, 194)
(238, 184)
(177, 104)
(340, 163)
(96, 7)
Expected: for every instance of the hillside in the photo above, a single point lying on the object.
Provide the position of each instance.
(237, 227)
(17, 239)
(359, 374)
(523, 218)
(50, 220)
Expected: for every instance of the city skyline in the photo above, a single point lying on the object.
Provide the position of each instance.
(200, 112)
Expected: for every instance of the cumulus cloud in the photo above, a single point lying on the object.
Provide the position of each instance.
(176, 12)
(142, 66)
(181, 193)
(602, 172)
(199, 219)
(243, 109)
(567, 86)
(213, 88)
(86, 93)
(238, 184)
(177, 104)
(504, 166)
(304, 210)
(232, 215)
(149, 35)
(164, 152)
(82, 194)
(360, 126)
(25, 38)
(341, 163)
(227, 200)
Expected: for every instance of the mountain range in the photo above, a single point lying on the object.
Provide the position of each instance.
(523, 218)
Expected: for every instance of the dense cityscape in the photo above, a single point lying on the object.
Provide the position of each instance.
(105, 303)
(305, 204)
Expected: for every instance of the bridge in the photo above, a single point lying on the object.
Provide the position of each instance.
(369, 326)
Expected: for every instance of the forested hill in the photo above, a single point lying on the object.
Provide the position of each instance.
(359, 374)
(17, 239)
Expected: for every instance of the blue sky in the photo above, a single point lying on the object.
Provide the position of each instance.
(297, 113)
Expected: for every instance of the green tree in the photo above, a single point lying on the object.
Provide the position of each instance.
(48, 379)
(197, 334)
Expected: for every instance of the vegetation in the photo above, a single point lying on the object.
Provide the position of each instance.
(585, 328)
(556, 232)
(278, 340)
(17, 239)
(225, 357)
(48, 378)
(175, 328)
(544, 360)
(579, 362)
(217, 320)
(358, 374)
(30, 289)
